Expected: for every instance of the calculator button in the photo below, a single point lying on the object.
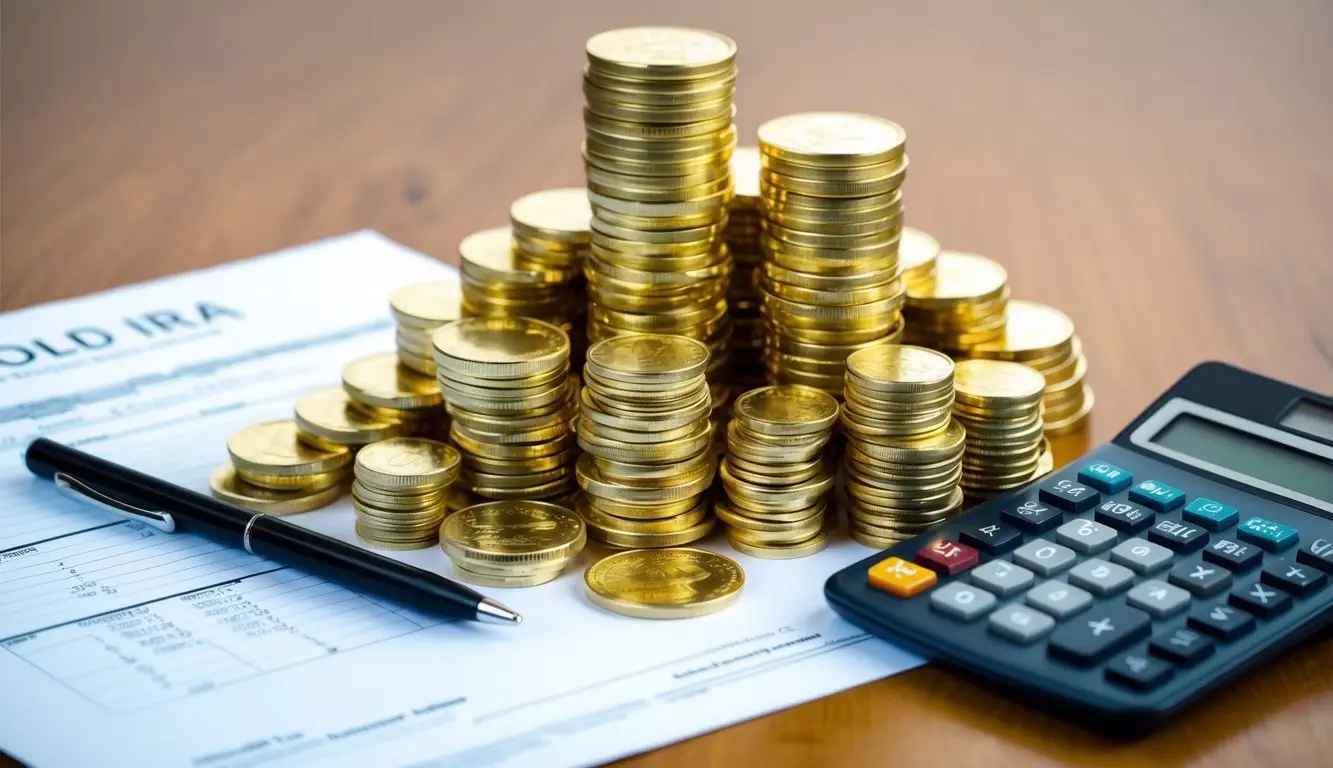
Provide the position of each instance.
(1098, 633)
(1213, 515)
(961, 601)
(1141, 556)
(1157, 496)
(1105, 477)
(1001, 577)
(1158, 598)
(1100, 577)
(1298, 579)
(1318, 553)
(1232, 555)
(899, 577)
(1020, 624)
(1068, 495)
(992, 537)
(1183, 646)
(1201, 579)
(1260, 599)
(1044, 557)
(1223, 622)
(1033, 516)
(1182, 537)
(946, 557)
(1123, 516)
(1139, 672)
(1272, 536)
(1057, 598)
(1085, 536)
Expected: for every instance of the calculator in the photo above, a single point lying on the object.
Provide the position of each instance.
(1119, 589)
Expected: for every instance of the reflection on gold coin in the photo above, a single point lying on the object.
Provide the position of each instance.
(560, 215)
(226, 485)
(997, 383)
(271, 448)
(427, 304)
(664, 583)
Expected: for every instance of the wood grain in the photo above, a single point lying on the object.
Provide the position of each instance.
(1161, 170)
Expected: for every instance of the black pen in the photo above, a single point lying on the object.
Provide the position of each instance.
(170, 508)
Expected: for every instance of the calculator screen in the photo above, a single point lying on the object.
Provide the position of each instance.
(1248, 454)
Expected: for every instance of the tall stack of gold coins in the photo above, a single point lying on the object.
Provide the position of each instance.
(512, 543)
(400, 490)
(499, 280)
(1043, 339)
(273, 472)
(507, 386)
(775, 475)
(659, 137)
(904, 450)
(917, 254)
(832, 199)
(551, 232)
(330, 419)
(385, 388)
(962, 307)
(742, 235)
(419, 309)
(645, 431)
(999, 404)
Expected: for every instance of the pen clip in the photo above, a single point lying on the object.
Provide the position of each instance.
(163, 521)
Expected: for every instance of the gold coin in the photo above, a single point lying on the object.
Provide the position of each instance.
(664, 583)
(781, 551)
(597, 519)
(960, 277)
(633, 357)
(503, 581)
(228, 486)
(513, 531)
(426, 305)
(652, 53)
(307, 483)
(562, 215)
(786, 410)
(835, 139)
(330, 416)
(380, 380)
(627, 540)
(271, 448)
(1031, 331)
(500, 348)
(997, 383)
(900, 368)
(407, 462)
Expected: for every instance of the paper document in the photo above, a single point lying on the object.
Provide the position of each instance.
(123, 646)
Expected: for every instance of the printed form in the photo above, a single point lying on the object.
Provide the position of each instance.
(120, 645)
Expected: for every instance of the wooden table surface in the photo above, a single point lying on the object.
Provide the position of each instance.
(1160, 170)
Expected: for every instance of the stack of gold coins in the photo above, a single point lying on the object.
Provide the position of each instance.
(329, 419)
(742, 232)
(962, 307)
(645, 431)
(400, 490)
(512, 543)
(904, 450)
(419, 309)
(385, 388)
(659, 137)
(550, 231)
(501, 281)
(507, 388)
(917, 254)
(775, 475)
(832, 199)
(273, 472)
(1043, 339)
(999, 404)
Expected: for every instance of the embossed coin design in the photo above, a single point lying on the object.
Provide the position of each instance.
(664, 583)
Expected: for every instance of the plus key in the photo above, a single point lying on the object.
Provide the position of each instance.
(946, 557)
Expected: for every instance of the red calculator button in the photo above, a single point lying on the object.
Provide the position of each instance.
(947, 556)
(899, 577)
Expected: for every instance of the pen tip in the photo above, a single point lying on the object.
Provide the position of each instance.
(494, 612)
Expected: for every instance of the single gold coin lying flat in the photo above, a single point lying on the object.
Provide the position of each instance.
(561, 215)
(513, 531)
(228, 486)
(271, 448)
(786, 409)
(500, 347)
(664, 358)
(906, 367)
(428, 304)
(832, 138)
(330, 416)
(381, 380)
(664, 583)
(959, 277)
(660, 51)
(407, 462)
(1031, 331)
(997, 383)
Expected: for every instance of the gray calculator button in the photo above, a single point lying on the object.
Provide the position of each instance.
(1141, 555)
(1158, 598)
(1002, 577)
(1044, 557)
(1086, 536)
(1022, 625)
(962, 601)
(1100, 577)
(1059, 599)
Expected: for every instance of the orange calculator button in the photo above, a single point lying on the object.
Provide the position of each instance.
(899, 577)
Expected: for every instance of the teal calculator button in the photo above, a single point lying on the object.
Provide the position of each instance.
(1213, 515)
(1157, 496)
(1107, 478)
(1272, 536)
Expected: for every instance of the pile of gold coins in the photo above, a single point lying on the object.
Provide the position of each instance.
(999, 404)
(400, 491)
(512, 542)
(963, 306)
(775, 475)
(904, 450)
(551, 232)
(499, 280)
(273, 472)
(832, 202)
(742, 232)
(389, 390)
(419, 309)
(645, 431)
(507, 387)
(1043, 339)
(658, 140)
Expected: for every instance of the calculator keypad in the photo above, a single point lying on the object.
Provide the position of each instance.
(1201, 579)
(1141, 556)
